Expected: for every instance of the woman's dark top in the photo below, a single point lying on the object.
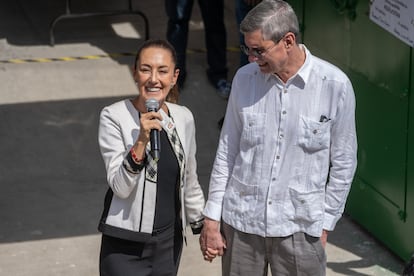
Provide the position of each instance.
(167, 205)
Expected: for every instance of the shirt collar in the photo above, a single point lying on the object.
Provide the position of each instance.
(302, 75)
(305, 70)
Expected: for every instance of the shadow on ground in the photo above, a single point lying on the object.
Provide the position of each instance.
(52, 174)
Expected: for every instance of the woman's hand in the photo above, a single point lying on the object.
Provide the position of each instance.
(148, 121)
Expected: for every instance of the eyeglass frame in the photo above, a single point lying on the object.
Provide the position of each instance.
(256, 52)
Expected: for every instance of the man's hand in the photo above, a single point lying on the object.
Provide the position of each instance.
(324, 237)
(212, 243)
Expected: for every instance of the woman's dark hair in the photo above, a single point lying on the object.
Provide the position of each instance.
(163, 44)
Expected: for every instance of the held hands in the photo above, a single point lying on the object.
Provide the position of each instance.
(212, 243)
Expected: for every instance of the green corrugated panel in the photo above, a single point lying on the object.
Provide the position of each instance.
(380, 67)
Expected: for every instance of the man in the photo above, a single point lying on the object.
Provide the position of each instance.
(286, 156)
(212, 11)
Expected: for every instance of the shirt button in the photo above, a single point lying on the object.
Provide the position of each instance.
(284, 112)
(315, 131)
(274, 179)
(278, 157)
(270, 203)
(281, 135)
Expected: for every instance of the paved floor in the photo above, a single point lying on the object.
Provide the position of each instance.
(51, 174)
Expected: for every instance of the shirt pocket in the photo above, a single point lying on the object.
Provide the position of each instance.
(239, 198)
(314, 136)
(253, 128)
(307, 207)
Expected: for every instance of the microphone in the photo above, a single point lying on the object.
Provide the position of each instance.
(153, 105)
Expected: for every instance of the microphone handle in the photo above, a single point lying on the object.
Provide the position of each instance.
(154, 134)
(155, 144)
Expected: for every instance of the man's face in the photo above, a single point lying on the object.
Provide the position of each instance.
(269, 55)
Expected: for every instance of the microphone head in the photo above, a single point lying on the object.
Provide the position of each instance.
(152, 105)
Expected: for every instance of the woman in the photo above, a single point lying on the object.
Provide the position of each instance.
(148, 202)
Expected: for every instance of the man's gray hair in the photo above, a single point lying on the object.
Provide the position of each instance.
(273, 17)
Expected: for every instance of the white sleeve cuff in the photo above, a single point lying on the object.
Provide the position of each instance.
(212, 210)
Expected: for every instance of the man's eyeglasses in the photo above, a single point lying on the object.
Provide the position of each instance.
(257, 52)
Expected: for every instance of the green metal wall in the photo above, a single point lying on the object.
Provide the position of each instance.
(380, 67)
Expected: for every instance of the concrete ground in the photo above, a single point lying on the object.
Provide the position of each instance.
(51, 174)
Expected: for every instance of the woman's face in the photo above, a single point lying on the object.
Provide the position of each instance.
(155, 74)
